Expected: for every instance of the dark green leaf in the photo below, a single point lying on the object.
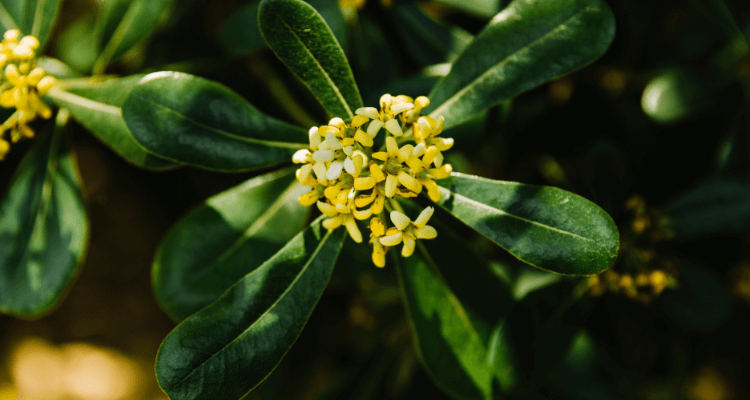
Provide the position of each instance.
(528, 43)
(302, 40)
(717, 207)
(43, 228)
(240, 34)
(546, 227)
(202, 123)
(449, 346)
(97, 106)
(125, 23)
(32, 17)
(537, 334)
(224, 239)
(428, 41)
(702, 302)
(372, 59)
(228, 348)
(479, 8)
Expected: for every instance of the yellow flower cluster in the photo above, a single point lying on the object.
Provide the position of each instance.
(351, 182)
(22, 84)
(644, 286)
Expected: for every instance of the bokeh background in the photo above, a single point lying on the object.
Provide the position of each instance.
(655, 117)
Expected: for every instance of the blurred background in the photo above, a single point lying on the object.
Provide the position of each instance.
(660, 121)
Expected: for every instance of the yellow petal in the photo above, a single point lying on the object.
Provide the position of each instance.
(400, 220)
(394, 127)
(367, 112)
(391, 240)
(332, 223)
(327, 209)
(364, 183)
(378, 258)
(377, 206)
(377, 227)
(422, 102)
(381, 155)
(404, 152)
(351, 226)
(409, 244)
(376, 172)
(309, 198)
(391, 146)
(426, 232)
(363, 138)
(302, 156)
(391, 183)
(409, 182)
(362, 214)
(374, 127)
(429, 156)
(424, 216)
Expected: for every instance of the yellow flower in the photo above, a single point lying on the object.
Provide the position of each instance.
(350, 182)
(22, 85)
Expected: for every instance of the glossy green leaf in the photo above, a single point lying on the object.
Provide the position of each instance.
(240, 34)
(537, 334)
(32, 17)
(713, 208)
(301, 39)
(97, 106)
(427, 40)
(544, 226)
(448, 345)
(202, 123)
(229, 347)
(228, 236)
(43, 228)
(123, 24)
(529, 43)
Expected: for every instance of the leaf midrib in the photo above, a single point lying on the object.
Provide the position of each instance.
(275, 303)
(268, 143)
(501, 212)
(325, 74)
(502, 62)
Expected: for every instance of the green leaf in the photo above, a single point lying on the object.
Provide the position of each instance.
(97, 106)
(57, 68)
(478, 8)
(427, 40)
(537, 335)
(125, 23)
(32, 17)
(717, 207)
(544, 226)
(527, 44)
(202, 123)
(302, 40)
(75, 46)
(43, 228)
(225, 238)
(240, 34)
(702, 302)
(228, 348)
(449, 346)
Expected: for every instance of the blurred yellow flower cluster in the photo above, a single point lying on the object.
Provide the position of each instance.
(351, 182)
(643, 287)
(22, 85)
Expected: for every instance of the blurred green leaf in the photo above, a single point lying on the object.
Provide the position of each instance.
(32, 17)
(546, 227)
(479, 8)
(579, 376)
(716, 207)
(537, 334)
(372, 59)
(426, 39)
(202, 123)
(43, 228)
(527, 44)
(228, 348)
(224, 239)
(123, 24)
(702, 302)
(674, 95)
(302, 40)
(75, 46)
(240, 34)
(97, 106)
(449, 346)
(57, 68)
